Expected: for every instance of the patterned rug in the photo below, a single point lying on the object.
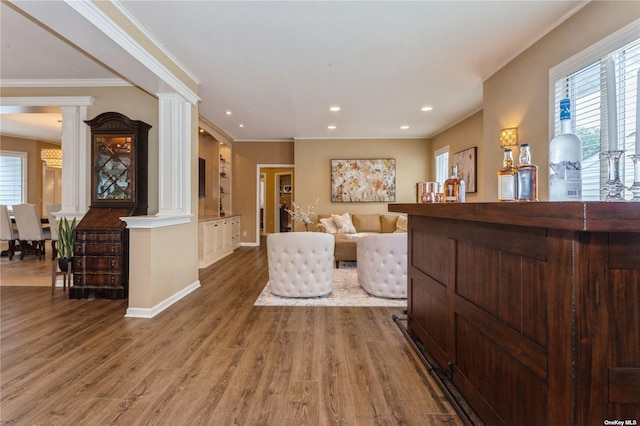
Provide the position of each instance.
(346, 292)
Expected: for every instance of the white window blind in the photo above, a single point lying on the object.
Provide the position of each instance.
(587, 90)
(442, 165)
(13, 169)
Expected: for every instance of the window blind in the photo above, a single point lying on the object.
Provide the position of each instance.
(12, 178)
(442, 165)
(587, 90)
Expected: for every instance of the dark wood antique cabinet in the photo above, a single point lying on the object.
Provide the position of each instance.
(118, 189)
(533, 307)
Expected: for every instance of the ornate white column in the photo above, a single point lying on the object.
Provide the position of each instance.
(174, 155)
(174, 165)
(74, 160)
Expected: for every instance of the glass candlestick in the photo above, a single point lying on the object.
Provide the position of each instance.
(635, 188)
(613, 187)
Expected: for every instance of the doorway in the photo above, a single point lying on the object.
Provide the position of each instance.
(269, 180)
(51, 186)
(283, 191)
(261, 202)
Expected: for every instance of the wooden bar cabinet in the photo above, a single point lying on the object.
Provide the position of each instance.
(534, 307)
(119, 151)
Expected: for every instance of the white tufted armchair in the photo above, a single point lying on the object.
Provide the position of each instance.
(382, 264)
(300, 263)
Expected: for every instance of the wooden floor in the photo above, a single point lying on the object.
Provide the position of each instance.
(210, 359)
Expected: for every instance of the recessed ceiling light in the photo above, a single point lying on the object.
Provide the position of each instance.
(227, 112)
(331, 127)
(426, 108)
(240, 125)
(334, 108)
(201, 130)
(404, 126)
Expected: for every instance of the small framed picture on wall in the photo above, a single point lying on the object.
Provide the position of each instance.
(467, 167)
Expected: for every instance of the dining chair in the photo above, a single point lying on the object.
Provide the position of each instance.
(30, 229)
(53, 227)
(7, 231)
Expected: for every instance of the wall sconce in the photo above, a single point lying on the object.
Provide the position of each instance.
(52, 157)
(508, 137)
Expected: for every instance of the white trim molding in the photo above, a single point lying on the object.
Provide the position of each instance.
(152, 312)
(78, 82)
(39, 101)
(258, 167)
(151, 222)
(115, 32)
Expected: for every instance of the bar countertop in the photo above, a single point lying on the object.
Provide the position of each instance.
(592, 216)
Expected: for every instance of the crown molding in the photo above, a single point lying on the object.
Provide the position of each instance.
(92, 13)
(155, 41)
(215, 131)
(51, 82)
(39, 101)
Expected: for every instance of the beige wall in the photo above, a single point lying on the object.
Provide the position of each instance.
(465, 134)
(245, 158)
(518, 94)
(132, 102)
(313, 164)
(164, 260)
(32, 148)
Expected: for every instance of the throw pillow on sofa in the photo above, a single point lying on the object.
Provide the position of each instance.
(401, 224)
(366, 222)
(329, 225)
(343, 223)
(388, 222)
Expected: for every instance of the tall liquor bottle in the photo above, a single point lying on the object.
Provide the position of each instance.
(507, 178)
(527, 176)
(565, 160)
(452, 187)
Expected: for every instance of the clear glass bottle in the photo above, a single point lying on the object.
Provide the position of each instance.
(507, 178)
(462, 191)
(452, 187)
(565, 160)
(527, 176)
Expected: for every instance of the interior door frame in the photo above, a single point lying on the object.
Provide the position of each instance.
(276, 190)
(259, 168)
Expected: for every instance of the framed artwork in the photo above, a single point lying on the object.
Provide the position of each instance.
(467, 167)
(354, 181)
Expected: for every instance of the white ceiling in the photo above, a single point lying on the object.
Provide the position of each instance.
(279, 66)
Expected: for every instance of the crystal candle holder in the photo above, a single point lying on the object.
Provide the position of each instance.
(635, 188)
(614, 187)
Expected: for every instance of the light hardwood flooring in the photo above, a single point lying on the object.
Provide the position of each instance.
(210, 359)
(27, 272)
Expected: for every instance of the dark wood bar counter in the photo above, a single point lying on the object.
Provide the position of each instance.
(534, 307)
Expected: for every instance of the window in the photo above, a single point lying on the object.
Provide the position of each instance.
(442, 165)
(13, 178)
(583, 79)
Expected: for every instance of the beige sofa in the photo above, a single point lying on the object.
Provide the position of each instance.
(364, 223)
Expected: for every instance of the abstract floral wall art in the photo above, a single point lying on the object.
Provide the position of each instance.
(354, 181)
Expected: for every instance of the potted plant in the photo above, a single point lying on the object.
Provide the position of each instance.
(65, 242)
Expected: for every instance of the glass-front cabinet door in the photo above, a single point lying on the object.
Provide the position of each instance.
(115, 176)
(119, 165)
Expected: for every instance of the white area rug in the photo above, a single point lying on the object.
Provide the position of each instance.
(346, 292)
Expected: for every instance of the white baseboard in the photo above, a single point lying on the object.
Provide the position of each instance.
(152, 312)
